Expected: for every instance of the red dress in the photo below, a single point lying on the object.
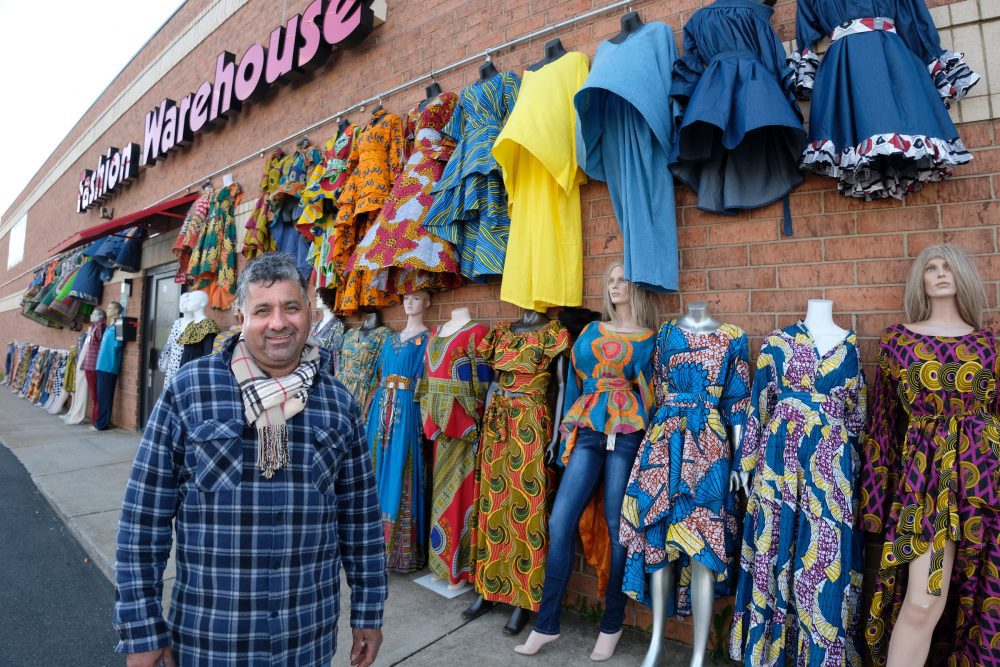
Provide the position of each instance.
(452, 395)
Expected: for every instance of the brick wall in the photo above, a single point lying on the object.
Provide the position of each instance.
(852, 252)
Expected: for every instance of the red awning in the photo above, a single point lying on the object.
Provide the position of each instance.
(118, 224)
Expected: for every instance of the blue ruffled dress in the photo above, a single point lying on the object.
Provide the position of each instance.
(878, 121)
(741, 136)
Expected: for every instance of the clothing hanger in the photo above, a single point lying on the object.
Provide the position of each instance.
(630, 22)
(431, 92)
(303, 142)
(378, 107)
(554, 50)
(487, 69)
(206, 185)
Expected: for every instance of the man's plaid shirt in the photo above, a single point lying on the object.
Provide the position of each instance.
(258, 560)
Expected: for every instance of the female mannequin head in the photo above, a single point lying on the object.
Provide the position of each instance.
(416, 303)
(945, 271)
(620, 292)
(325, 298)
(97, 315)
(114, 310)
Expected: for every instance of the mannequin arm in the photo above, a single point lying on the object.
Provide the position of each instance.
(553, 448)
(737, 480)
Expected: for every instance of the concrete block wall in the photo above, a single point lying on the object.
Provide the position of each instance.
(853, 252)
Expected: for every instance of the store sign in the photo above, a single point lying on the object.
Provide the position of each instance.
(301, 45)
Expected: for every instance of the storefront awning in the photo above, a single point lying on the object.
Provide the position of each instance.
(163, 209)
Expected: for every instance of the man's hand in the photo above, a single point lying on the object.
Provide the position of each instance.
(161, 656)
(366, 644)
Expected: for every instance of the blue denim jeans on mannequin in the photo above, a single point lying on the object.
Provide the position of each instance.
(589, 465)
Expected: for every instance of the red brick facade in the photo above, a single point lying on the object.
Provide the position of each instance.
(852, 252)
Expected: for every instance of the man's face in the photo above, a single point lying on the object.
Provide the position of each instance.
(275, 323)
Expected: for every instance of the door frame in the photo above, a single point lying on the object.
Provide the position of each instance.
(146, 401)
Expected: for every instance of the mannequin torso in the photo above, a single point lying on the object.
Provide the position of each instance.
(697, 319)
(459, 318)
(819, 321)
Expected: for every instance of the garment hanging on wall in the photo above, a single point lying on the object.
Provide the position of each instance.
(513, 484)
(190, 232)
(941, 393)
(213, 261)
(877, 122)
(451, 395)
(626, 135)
(678, 506)
(319, 204)
(799, 592)
(356, 362)
(395, 441)
(397, 250)
(258, 237)
(375, 161)
(537, 151)
(470, 208)
(741, 137)
(286, 210)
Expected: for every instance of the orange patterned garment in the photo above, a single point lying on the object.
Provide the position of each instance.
(258, 237)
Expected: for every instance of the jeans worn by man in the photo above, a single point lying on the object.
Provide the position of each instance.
(256, 458)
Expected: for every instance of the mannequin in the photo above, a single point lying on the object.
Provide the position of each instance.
(329, 330)
(98, 322)
(371, 322)
(554, 50)
(630, 23)
(356, 357)
(702, 594)
(600, 437)
(523, 355)
(200, 333)
(924, 422)
(170, 356)
(487, 69)
(452, 398)
(343, 125)
(431, 92)
(109, 361)
(395, 440)
(819, 320)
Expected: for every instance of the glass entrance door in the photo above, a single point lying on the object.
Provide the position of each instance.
(162, 296)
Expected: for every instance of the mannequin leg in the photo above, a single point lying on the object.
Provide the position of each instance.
(518, 619)
(911, 636)
(661, 589)
(479, 606)
(702, 602)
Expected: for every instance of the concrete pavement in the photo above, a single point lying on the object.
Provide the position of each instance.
(83, 473)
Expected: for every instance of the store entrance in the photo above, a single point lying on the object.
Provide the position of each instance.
(162, 296)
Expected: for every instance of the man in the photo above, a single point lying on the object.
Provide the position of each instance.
(258, 457)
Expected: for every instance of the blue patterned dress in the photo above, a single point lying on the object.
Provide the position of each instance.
(470, 205)
(394, 437)
(677, 503)
(799, 594)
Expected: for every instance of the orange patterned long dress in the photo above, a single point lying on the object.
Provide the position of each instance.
(375, 161)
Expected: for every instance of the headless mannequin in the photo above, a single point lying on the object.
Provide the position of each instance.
(370, 324)
(697, 320)
(343, 125)
(630, 23)
(487, 69)
(623, 322)
(554, 50)
(431, 91)
(530, 321)
(921, 611)
(414, 305)
(459, 318)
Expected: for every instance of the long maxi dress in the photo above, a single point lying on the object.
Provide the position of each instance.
(470, 208)
(626, 131)
(452, 395)
(932, 474)
(677, 504)
(403, 256)
(537, 152)
(741, 137)
(878, 121)
(395, 440)
(799, 590)
(512, 481)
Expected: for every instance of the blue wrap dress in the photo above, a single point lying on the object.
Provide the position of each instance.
(625, 136)
(741, 136)
(470, 201)
(878, 121)
(394, 436)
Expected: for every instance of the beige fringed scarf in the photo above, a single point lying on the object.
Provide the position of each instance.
(268, 402)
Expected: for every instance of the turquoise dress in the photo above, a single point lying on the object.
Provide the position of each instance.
(625, 137)
(394, 438)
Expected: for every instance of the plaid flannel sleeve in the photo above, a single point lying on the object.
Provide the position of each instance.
(362, 543)
(144, 533)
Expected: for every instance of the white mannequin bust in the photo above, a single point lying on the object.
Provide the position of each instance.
(819, 320)
(185, 307)
(197, 300)
(698, 319)
(459, 318)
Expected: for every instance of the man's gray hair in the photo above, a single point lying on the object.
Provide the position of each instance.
(267, 269)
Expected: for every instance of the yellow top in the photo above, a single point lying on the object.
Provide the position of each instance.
(536, 151)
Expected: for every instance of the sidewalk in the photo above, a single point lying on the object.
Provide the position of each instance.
(83, 473)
